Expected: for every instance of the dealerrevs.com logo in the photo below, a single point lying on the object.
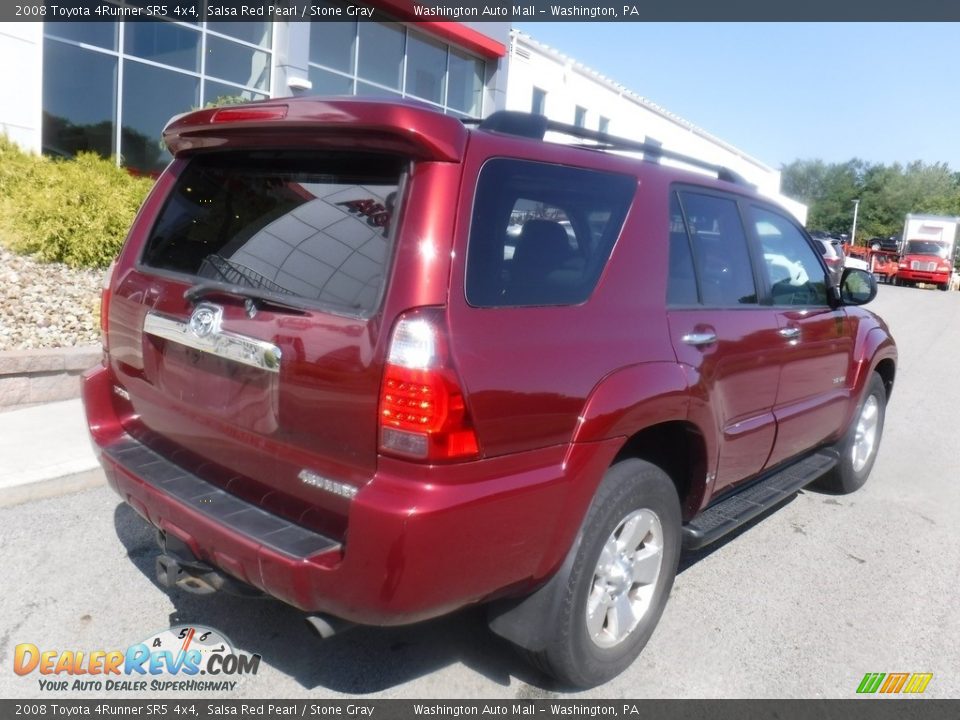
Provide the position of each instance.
(181, 659)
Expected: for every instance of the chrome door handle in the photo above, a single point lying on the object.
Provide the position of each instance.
(700, 338)
(790, 333)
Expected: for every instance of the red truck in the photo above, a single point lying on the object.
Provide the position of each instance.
(928, 251)
(336, 372)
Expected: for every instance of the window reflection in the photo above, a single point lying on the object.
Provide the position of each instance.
(151, 96)
(466, 83)
(381, 53)
(164, 43)
(237, 63)
(79, 100)
(101, 34)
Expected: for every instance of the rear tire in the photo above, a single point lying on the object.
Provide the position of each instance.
(625, 564)
(944, 287)
(858, 449)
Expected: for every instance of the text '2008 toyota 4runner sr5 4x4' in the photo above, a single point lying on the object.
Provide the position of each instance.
(381, 364)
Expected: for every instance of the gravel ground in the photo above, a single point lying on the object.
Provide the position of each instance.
(47, 305)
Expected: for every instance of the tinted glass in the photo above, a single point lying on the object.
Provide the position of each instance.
(79, 100)
(541, 234)
(101, 34)
(311, 225)
(720, 250)
(151, 96)
(381, 53)
(465, 78)
(681, 279)
(237, 63)
(164, 43)
(368, 90)
(215, 92)
(538, 103)
(328, 83)
(256, 32)
(332, 44)
(793, 272)
(426, 68)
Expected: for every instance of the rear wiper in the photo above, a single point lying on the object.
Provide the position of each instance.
(259, 297)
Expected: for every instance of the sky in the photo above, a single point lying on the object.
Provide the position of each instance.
(882, 92)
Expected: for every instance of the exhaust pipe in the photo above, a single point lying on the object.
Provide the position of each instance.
(327, 626)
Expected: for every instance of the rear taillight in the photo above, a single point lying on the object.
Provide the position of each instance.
(423, 410)
(105, 304)
(834, 263)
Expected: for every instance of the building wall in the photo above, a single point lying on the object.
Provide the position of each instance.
(569, 85)
(21, 47)
(111, 87)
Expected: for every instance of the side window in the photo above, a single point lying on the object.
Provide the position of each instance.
(681, 280)
(793, 271)
(720, 250)
(541, 234)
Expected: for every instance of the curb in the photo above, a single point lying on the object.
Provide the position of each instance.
(55, 487)
(29, 377)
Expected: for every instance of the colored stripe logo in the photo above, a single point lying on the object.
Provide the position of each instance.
(894, 683)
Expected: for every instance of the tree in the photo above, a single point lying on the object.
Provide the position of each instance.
(886, 193)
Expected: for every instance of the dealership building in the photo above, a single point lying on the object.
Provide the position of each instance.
(111, 86)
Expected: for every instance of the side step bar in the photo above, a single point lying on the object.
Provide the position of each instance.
(744, 505)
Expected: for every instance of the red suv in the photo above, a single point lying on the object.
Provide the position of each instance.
(381, 364)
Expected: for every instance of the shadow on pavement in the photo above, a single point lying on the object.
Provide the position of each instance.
(359, 661)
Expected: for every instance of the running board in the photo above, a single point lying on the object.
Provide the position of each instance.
(744, 505)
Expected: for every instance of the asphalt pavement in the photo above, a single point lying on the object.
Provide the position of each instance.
(802, 603)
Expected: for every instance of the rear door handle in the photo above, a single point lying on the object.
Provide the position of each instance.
(707, 337)
(790, 333)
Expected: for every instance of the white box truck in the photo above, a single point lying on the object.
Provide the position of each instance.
(928, 250)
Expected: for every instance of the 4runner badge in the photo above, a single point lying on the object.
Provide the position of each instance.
(205, 320)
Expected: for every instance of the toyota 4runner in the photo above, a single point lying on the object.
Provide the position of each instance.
(381, 363)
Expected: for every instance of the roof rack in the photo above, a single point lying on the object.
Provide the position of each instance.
(512, 122)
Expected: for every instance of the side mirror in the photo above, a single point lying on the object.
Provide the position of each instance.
(857, 287)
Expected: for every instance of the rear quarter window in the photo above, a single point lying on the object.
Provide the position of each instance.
(541, 234)
(315, 226)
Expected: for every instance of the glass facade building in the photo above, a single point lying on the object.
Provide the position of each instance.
(111, 87)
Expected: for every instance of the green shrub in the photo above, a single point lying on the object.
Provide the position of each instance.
(75, 211)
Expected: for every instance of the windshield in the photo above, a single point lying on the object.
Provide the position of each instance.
(307, 225)
(926, 247)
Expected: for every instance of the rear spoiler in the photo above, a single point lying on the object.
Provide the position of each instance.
(335, 123)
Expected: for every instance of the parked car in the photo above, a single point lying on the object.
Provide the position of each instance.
(336, 372)
(836, 259)
(890, 244)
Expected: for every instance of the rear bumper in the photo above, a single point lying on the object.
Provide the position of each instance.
(420, 541)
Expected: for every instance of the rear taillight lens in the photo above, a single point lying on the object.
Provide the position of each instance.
(423, 410)
(105, 304)
(834, 263)
(248, 114)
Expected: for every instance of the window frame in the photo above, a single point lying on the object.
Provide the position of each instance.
(754, 246)
(759, 283)
(575, 223)
(757, 242)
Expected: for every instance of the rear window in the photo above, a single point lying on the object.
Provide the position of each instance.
(314, 226)
(541, 234)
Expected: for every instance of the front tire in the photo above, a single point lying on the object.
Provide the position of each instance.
(625, 565)
(858, 449)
